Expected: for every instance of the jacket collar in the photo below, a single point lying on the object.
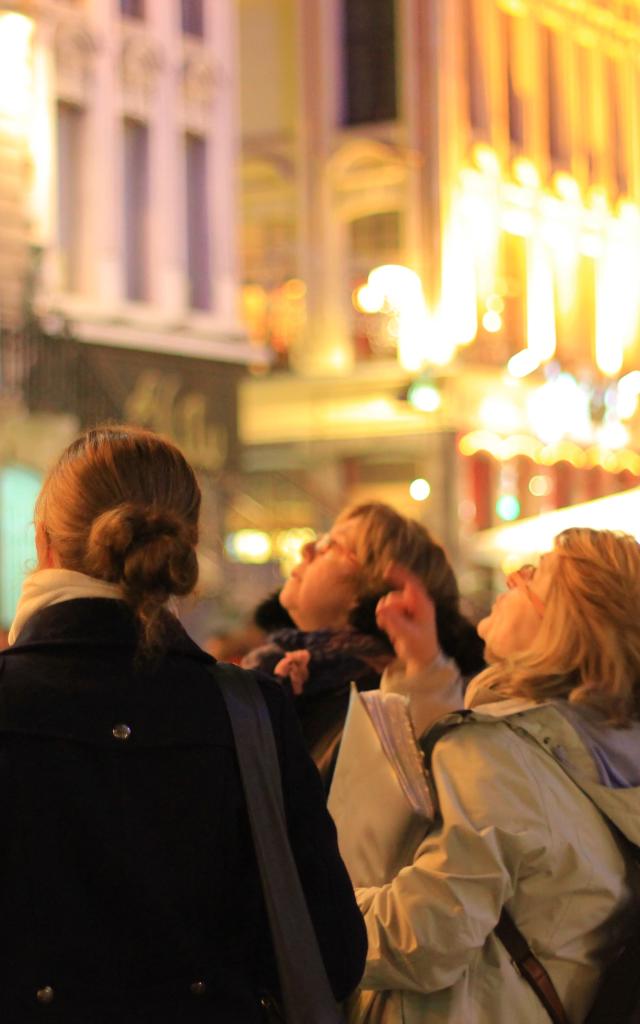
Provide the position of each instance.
(97, 622)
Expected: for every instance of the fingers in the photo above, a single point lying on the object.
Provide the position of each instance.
(410, 589)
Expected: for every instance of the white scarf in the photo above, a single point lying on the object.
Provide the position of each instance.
(51, 586)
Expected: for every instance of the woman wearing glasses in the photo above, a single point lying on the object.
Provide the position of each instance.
(535, 787)
(331, 597)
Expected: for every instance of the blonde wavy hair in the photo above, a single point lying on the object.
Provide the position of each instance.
(587, 649)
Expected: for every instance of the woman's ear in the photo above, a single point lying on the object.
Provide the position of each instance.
(47, 558)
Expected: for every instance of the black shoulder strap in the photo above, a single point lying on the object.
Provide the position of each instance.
(306, 992)
(523, 959)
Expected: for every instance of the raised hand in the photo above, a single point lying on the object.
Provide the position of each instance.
(407, 615)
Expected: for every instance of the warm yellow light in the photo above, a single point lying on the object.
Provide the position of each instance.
(477, 210)
(288, 544)
(15, 70)
(503, 449)
(295, 289)
(526, 173)
(420, 489)
(495, 303)
(541, 324)
(368, 299)
(560, 409)
(499, 413)
(540, 486)
(523, 363)
(598, 199)
(616, 302)
(613, 435)
(628, 393)
(517, 222)
(418, 341)
(250, 546)
(492, 321)
(459, 308)
(486, 159)
(566, 187)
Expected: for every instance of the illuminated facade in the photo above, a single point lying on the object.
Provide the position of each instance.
(486, 155)
(119, 283)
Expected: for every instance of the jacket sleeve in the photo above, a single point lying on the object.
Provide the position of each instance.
(426, 925)
(330, 897)
(434, 692)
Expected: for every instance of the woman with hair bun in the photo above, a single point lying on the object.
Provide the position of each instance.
(129, 888)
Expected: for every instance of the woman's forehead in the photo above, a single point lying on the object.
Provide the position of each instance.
(345, 530)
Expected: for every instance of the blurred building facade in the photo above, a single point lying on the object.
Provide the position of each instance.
(486, 155)
(118, 284)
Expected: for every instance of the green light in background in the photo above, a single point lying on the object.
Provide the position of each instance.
(424, 396)
(507, 507)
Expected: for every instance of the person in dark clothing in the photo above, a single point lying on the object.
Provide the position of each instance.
(332, 595)
(129, 889)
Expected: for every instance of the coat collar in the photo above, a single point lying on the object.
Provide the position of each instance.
(99, 623)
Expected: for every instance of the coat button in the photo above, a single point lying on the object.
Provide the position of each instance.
(121, 731)
(198, 988)
(45, 995)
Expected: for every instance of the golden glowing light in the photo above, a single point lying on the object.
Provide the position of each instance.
(459, 308)
(492, 321)
(526, 173)
(540, 486)
(249, 546)
(517, 222)
(513, 544)
(16, 32)
(628, 393)
(505, 448)
(566, 187)
(419, 340)
(288, 544)
(541, 324)
(499, 413)
(295, 289)
(617, 310)
(560, 408)
(523, 363)
(613, 435)
(560, 227)
(486, 159)
(368, 299)
(420, 489)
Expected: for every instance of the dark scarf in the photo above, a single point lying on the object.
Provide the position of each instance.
(337, 657)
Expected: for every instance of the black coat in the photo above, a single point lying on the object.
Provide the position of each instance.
(129, 890)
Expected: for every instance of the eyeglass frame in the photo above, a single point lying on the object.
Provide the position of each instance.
(520, 579)
(325, 542)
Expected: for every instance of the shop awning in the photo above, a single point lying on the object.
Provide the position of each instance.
(519, 541)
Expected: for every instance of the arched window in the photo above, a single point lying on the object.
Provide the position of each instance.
(19, 488)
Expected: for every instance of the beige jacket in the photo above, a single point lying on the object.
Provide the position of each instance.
(514, 831)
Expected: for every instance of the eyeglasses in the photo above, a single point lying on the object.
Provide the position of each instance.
(326, 542)
(521, 579)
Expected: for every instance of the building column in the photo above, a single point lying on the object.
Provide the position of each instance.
(16, 86)
(325, 349)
